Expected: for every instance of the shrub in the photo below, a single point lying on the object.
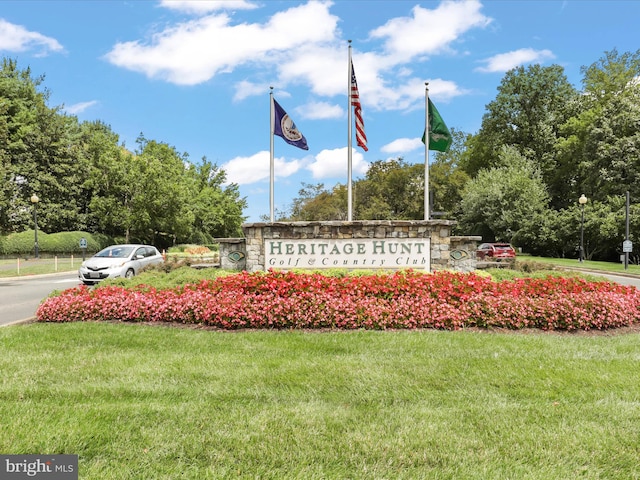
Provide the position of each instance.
(22, 243)
(530, 266)
(53, 243)
(197, 250)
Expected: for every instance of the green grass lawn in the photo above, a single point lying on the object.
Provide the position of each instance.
(37, 266)
(141, 402)
(587, 264)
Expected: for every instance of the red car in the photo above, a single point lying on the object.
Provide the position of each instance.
(495, 251)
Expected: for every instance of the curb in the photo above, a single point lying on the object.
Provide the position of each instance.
(601, 272)
(40, 275)
(24, 321)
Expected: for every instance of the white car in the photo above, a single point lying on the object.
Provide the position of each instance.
(118, 261)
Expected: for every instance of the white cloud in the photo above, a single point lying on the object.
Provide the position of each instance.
(245, 89)
(16, 38)
(320, 111)
(206, 6)
(410, 95)
(385, 81)
(430, 32)
(184, 55)
(320, 66)
(402, 145)
(302, 45)
(80, 107)
(256, 168)
(506, 61)
(333, 164)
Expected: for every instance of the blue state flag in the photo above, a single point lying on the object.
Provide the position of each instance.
(284, 127)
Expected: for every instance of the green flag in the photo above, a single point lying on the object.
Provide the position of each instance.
(439, 135)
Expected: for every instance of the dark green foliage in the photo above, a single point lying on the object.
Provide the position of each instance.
(499, 202)
(391, 190)
(53, 243)
(317, 203)
(21, 243)
(86, 180)
(532, 103)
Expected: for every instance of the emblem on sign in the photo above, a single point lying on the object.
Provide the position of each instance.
(236, 256)
(459, 254)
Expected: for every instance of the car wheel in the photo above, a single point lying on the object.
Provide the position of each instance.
(130, 273)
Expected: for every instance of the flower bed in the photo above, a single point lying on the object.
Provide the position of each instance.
(281, 300)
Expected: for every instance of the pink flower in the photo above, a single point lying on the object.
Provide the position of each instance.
(405, 300)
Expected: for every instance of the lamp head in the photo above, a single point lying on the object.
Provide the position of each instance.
(34, 198)
(582, 200)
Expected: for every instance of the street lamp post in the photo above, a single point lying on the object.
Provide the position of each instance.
(35, 200)
(582, 200)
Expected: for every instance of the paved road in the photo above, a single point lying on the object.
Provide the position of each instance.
(20, 297)
(623, 280)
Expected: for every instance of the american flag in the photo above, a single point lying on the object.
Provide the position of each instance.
(361, 137)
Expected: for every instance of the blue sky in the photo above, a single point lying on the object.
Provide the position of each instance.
(196, 74)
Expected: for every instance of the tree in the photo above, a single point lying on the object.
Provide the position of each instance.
(216, 205)
(499, 201)
(316, 203)
(20, 106)
(161, 198)
(446, 178)
(112, 180)
(532, 103)
(391, 189)
(600, 152)
(86, 180)
(38, 156)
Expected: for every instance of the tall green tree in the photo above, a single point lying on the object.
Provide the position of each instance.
(216, 204)
(391, 189)
(531, 104)
(447, 179)
(499, 201)
(161, 200)
(86, 180)
(600, 152)
(38, 156)
(21, 101)
(317, 203)
(112, 181)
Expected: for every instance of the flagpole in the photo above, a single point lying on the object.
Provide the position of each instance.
(427, 211)
(349, 159)
(271, 169)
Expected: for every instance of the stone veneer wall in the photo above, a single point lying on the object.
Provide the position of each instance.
(447, 252)
(233, 253)
(462, 256)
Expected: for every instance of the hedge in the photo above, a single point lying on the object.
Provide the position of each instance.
(52, 243)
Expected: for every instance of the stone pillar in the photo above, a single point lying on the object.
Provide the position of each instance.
(233, 253)
(462, 255)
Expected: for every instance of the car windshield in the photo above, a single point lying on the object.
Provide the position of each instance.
(115, 252)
